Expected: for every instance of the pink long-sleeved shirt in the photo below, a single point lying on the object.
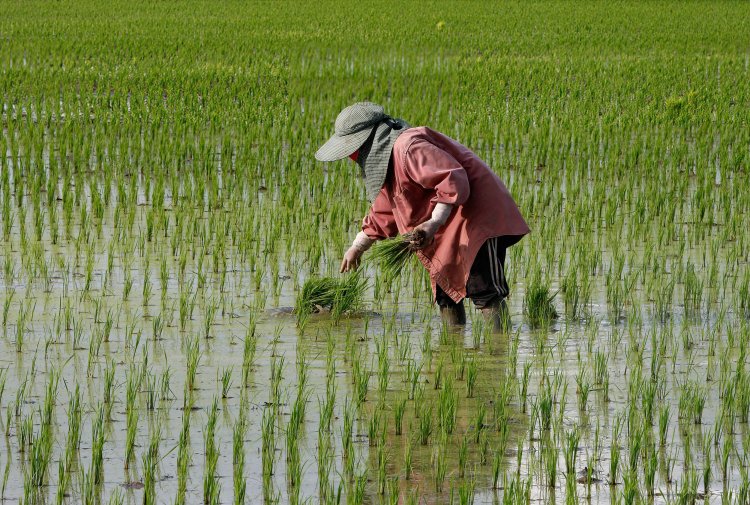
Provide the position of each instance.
(430, 168)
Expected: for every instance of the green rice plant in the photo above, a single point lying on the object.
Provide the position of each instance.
(497, 462)
(550, 454)
(7, 302)
(472, 372)
(208, 318)
(88, 491)
(484, 447)
(408, 463)
(398, 414)
(479, 425)
(151, 391)
(726, 450)
(466, 491)
(238, 460)
(663, 300)
(116, 498)
(393, 491)
(570, 449)
(268, 448)
(193, 359)
(583, 387)
(688, 491)
(538, 306)
(150, 463)
(98, 437)
(249, 348)
(425, 426)
(448, 406)
(392, 255)
(382, 459)
(74, 427)
(524, 386)
(131, 415)
(463, 452)
(63, 481)
(183, 455)
(664, 416)
(361, 381)
(635, 443)
(693, 292)
(692, 402)
(374, 427)
(226, 382)
(383, 372)
(544, 405)
(211, 482)
(439, 462)
(707, 444)
(614, 454)
(339, 296)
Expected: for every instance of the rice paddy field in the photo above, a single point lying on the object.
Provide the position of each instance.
(161, 211)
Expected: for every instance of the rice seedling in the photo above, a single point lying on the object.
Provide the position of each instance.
(226, 382)
(463, 451)
(238, 461)
(131, 418)
(471, 378)
(392, 255)
(538, 305)
(425, 425)
(448, 406)
(439, 465)
(268, 450)
(150, 462)
(614, 460)
(550, 454)
(211, 483)
(339, 296)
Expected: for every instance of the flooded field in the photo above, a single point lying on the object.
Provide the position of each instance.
(161, 209)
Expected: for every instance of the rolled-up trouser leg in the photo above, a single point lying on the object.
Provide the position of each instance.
(450, 311)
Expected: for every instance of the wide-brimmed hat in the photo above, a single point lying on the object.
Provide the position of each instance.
(353, 126)
(364, 126)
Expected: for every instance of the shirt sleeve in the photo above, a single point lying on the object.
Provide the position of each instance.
(433, 168)
(379, 223)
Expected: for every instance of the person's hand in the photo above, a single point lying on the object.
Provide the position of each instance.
(351, 259)
(423, 235)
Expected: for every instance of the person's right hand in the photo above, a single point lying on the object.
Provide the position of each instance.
(351, 259)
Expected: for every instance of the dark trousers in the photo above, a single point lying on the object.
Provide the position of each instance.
(486, 285)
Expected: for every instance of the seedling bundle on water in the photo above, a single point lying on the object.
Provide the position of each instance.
(328, 294)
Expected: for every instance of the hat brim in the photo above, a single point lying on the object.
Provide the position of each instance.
(341, 146)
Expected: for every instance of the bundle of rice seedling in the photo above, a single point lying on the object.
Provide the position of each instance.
(329, 294)
(391, 255)
(538, 305)
(349, 294)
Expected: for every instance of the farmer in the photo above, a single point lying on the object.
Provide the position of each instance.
(418, 180)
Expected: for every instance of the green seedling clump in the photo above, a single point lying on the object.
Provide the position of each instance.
(329, 294)
(392, 255)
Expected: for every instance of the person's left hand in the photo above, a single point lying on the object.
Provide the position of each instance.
(423, 235)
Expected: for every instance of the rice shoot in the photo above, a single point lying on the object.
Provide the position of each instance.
(391, 255)
(330, 294)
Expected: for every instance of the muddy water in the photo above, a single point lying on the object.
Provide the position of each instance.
(555, 350)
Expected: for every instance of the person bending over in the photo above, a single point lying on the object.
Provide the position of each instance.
(460, 213)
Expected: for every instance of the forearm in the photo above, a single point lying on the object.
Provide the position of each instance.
(441, 213)
(362, 242)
